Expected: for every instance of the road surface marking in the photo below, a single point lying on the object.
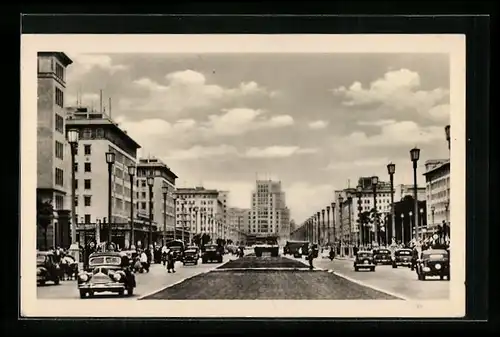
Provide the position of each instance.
(361, 283)
(181, 280)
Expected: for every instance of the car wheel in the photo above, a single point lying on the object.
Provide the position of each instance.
(441, 277)
(394, 266)
(195, 263)
(183, 263)
(372, 269)
(56, 280)
(83, 293)
(203, 261)
(120, 292)
(356, 269)
(220, 260)
(412, 268)
(42, 283)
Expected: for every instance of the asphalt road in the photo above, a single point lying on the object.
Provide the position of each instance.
(401, 281)
(231, 282)
(156, 279)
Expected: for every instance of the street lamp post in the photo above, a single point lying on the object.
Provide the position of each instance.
(375, 212)
(73, 136)
(415, 155)
(323, 232)
(359, 194)
(403, 230)
(195, 224)
(448, 135)
(391, 169)
(446, 211)
(412, 223)
(175, 216)
(421, 221)
(328, 224)
(150, 182)
(341, 201)
(318, 229)
(131, 174)
(164, 189)
(349, 240)
(110, 159)
(333, 226)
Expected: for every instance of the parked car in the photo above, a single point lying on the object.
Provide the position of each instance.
(177, 247)
(382, 256)
(433, 262)
(107, 272)
(46, 268)
(211, 253)
(402, 257)
(364, 260)
(191, 255)
(292, 248)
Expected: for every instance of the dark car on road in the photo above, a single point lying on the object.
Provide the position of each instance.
(107, 272)
(46, 268)
(191, 255)
(364, 260)
(433, 262)
(267, 246)
(382, 256)
(211, 253)
(402, 257)
(177, 248)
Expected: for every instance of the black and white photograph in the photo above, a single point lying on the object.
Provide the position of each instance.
(266, 175)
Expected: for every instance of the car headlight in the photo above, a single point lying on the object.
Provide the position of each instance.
(39, 271)
(117, 276)
(83, 277)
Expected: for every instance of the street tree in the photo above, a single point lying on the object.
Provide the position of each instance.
(44, 215)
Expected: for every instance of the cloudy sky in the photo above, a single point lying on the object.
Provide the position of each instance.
(314, 121)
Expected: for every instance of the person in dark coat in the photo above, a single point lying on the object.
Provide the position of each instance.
(310, 258)
(170, 262)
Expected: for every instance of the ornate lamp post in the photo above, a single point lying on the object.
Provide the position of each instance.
(131, 174)
(333, 227)
(375, 211)
(323, 232)
(359, 194)
(195, 224)
(150, 182)
(164, 190)
(72, 136)
(415, 155)
(403, 229)
(391, 169)
(433, 209)
(110, 159)
(421, 221)
(175, 215)
(341, 202)
(318, 229)
(349, 240)
(412, 223)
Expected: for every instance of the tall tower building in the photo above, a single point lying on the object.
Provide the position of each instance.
(53, 151)
(269, 212)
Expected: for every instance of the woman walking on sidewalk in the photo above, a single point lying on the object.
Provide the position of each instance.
(170, 262)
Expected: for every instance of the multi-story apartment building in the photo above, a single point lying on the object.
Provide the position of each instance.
(53, 151)
(269, 212)
(201, 211)
(237, 223)
(437, 178)
(224, 200)
(163, 210)
(98, 134)
(403, 190)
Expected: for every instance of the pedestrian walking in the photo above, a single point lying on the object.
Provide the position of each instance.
(310, 257)
(144, 261)
(170, 262)
(164, 253)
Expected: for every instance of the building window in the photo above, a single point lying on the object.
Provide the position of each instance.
(76, 201)
(143, 205)
(87, 218)
(88, 167)
(76, 167)
(60, 72)
(59, 97)
(87, 183)
(59, 150)
(87, 149)
(87, 200)
(59, 123)
(59, 202)
(59, 177)
(76, 184)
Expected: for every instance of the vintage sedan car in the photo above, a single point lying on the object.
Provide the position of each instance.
(364, 260)
(211, 253)
(433, 262)
(107, 272)
(46, 268)
(191, 255)
(402, 257)
(382, 256)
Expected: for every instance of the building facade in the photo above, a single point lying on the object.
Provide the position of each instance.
(200, 211)
(403, 190)
(98, 134)
(163, 211)
(237, 223)
(53, 151)
(437, 178)
(270, 215)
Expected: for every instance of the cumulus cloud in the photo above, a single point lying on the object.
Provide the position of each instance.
(397, 89)
(186, 89)
(83, 63)
(395, 134)
(358, 163)
(277, 151)
(319, 124)
(197, 151)
(240, 192)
